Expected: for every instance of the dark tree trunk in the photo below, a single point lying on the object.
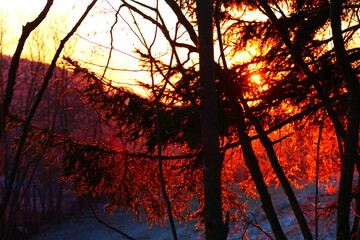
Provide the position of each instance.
(26, 125)
(268, 145)
(9, 92)
(4, 110)
(212, 158)
(265, 140)
(252, 163)
(254, 168)
(323, 95)
(353, 117)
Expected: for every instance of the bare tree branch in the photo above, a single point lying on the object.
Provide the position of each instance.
(27, 29)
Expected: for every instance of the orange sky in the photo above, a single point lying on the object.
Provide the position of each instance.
(62, 17)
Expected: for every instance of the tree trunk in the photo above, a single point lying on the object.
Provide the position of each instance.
(211, 158)
(26, 125)
(268, 145)
(265, 140)
(352, 132)
(254, 168)
(4, 110)
(253, 164)
(304, 68)
(9, 92)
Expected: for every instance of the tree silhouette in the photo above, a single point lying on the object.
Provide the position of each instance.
(295, 67)
(204, 117)
(12, 168)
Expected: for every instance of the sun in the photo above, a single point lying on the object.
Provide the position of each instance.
(258, 80)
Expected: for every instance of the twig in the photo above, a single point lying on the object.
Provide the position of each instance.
(106, 224)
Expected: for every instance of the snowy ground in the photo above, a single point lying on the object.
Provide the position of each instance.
(84, 226)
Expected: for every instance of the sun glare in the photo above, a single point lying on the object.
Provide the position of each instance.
(258, 80)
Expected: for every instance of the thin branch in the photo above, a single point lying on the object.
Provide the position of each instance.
(106, 224)
(158, 138)
(9, 92)
(27, 123)
(103, 46)
(111, 41)
(183, 20)
(317, 179)
(159, 25)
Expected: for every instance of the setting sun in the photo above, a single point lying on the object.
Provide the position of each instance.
(259, 81)
(256, 79)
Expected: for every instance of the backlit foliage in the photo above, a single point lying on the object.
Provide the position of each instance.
(113, 170)
(123, 167)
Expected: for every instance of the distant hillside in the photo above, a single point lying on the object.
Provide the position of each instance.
(61, 107)
(38, 198)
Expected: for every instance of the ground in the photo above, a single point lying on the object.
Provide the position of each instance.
(84, 226)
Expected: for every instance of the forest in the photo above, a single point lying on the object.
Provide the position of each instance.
(226, 100)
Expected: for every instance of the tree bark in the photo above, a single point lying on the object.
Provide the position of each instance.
(268, 145)
(211, 157)
(9, 92)
(4, 110)
(304, 68)
(352, 133)
(252, 163)
(265, 140)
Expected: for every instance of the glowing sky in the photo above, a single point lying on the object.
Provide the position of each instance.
(95, 29)
(91, 44)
